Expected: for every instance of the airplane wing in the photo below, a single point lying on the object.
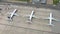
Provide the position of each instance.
(27, 16)
(34, 16)
(46, 18)
(55, 19)
(9, 12)
(16, 14)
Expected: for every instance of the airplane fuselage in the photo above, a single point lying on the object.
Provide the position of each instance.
(51, 18)
(31, 16)
(12, 14)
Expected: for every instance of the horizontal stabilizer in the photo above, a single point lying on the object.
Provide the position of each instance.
(50, 24)
(29, 22)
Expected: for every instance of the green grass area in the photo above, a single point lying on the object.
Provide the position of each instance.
(24, 0)
(56, 2)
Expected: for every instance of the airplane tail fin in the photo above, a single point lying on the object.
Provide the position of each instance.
(29, 22)
(50, 24)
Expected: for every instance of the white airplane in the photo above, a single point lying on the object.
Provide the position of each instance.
(12, 14)
(31, 16)
(50, 18)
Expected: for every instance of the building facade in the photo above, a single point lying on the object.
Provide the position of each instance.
(43, 1)
(49, 1)
(37, 1)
